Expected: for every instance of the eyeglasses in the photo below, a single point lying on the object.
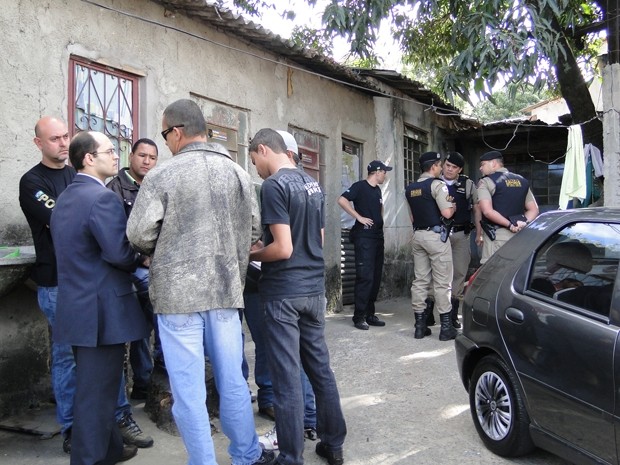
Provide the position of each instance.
(165, 132)
(110, 152)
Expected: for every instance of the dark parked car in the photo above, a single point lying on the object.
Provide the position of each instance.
(540, 352)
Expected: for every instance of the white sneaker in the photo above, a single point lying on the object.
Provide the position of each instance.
(269, 440)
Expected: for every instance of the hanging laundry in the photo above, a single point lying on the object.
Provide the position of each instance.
(597, 159)
(574, 176)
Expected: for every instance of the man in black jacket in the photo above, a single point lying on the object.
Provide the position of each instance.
(142, 159)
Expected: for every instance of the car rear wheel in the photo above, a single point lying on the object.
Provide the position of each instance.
(498, 410)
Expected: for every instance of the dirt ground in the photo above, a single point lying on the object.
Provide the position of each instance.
(403, 402)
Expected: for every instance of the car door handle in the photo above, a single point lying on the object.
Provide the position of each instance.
(515, 315)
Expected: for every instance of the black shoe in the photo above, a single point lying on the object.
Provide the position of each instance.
(132, 434)
(361, 325)
(139, 393)
(66, 442)
(421, 330)
(159, 364)
(333, 457)
(268, 457)
(310, 433)
(129, 452)
(428, 311)
(454, 313)
(447, 332)
(268, 412)
(374, 321)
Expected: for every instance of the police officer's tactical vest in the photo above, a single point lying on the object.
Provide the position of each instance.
(510, 193)
(458, 190)
(423, 206)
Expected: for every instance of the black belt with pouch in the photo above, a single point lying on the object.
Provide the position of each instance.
(488, 228)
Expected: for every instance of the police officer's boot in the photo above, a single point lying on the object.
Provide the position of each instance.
(420, 326)
(447, 330)
(430, 317)
(455, 313)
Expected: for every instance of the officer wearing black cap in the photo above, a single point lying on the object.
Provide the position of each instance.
(506, 203)
(367, 237)
(430, 205)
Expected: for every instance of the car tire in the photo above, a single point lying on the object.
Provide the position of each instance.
(498, 408)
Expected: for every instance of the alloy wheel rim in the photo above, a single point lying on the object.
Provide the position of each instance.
(493, 406)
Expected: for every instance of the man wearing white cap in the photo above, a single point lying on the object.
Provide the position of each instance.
(292, 150)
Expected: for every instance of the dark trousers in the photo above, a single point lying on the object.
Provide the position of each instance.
(369, 256)
(254, 317)
(295, 330)
(95, 437)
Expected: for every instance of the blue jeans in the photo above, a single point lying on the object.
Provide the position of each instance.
(63, 363)
(296, 337)
(63, 368)
(140, 352)
(309, 401)
(255, 321)
(186, 338)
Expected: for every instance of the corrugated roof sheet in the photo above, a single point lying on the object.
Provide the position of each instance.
(228, 22)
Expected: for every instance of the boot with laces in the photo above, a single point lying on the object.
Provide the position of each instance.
(132, 434)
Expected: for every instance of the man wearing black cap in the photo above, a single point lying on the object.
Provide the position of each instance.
(430, 204)
(506, 202)
(367, 237)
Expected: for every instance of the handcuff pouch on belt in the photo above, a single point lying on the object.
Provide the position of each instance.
(488, 228)
(446, 228)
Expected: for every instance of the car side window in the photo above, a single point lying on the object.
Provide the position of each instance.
(578, 266)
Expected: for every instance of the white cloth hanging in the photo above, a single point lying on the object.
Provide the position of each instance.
(574, 176)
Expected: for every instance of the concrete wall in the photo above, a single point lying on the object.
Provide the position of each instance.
(24, 352)
(611, 134)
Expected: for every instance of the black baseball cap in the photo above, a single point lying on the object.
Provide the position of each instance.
(376, 165)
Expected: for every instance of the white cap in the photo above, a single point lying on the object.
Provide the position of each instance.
(289, 140)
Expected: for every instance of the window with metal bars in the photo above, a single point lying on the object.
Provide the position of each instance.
(106, 100)
(415, 143)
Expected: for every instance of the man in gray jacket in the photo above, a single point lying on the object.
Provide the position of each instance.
(198, 235)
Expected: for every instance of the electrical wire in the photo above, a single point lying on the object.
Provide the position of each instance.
(440, 112)
(447, 112)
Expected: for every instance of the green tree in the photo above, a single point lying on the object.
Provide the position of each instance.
(312, 38)
(481, 43)
(504, 105)
(476, 44)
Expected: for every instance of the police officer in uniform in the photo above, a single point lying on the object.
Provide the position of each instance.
(463, 191)
(430, 207)
(506, 203)
(367, 236)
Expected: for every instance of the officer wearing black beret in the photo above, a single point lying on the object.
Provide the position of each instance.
(506, 203)
(430, 205)
(463, 191)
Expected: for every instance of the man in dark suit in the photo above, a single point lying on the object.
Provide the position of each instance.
(97, 309)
